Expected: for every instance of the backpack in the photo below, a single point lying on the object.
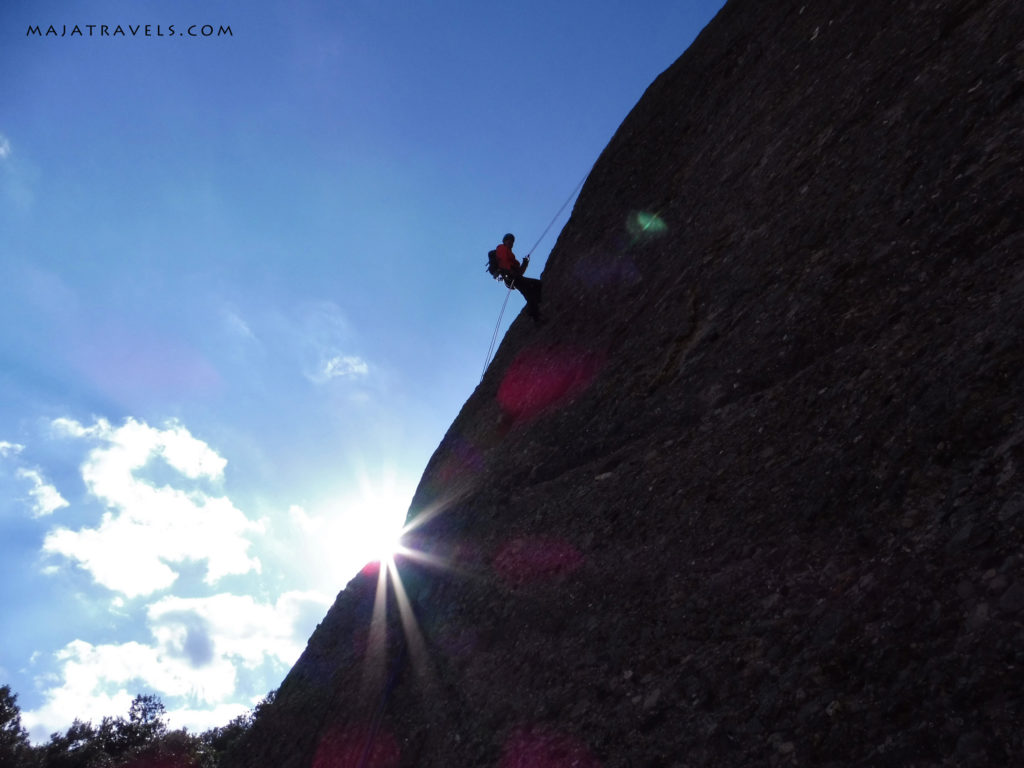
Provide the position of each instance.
(492, 265)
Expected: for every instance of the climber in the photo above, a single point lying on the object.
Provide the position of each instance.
(512, 273)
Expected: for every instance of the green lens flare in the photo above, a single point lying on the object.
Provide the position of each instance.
(642, 224)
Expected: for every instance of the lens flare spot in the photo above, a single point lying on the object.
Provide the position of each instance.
(531, 559)
(538, 379)
(542, 748)
(359, 745)
(644, 225)
(612, 271)
(372, 568)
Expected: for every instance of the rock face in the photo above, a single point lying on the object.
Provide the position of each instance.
(754, 494)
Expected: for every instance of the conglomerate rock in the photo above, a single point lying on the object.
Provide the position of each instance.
(754, 494)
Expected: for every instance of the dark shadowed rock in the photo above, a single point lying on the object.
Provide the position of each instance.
(752, 495)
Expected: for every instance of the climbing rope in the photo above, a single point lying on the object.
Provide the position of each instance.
(497, 326)
(555, 218)
(494, 336)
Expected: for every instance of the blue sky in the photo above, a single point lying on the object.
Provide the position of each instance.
(242, 297)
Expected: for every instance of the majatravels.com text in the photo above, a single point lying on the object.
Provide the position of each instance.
(129, 30)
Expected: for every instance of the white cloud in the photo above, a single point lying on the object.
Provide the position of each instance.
(5, 147)
(199, 645)
(9, 449)
(203, 630)
(147, 529)
(202, 720)
(81, 695)
(46, 498)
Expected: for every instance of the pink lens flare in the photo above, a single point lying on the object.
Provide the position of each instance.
(532, 559)
(357, 746)
(541, 378)
(544, 748)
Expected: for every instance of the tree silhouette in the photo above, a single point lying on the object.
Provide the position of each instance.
(14, 743)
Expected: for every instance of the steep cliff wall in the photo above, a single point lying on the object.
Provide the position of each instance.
(754, 494)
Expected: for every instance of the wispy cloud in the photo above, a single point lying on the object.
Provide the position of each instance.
(237, 326)
(17, 177)
(46, 499)
(148, 529)
(323, 336)
(344, 367)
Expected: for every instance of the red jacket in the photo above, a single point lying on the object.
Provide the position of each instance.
(508, 261)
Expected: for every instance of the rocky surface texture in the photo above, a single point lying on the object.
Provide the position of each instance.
(754, 494)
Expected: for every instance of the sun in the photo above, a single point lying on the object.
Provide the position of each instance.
(377, 518)
(381, 535)
(352, 528)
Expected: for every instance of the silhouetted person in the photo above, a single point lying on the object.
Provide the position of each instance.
(512, 274)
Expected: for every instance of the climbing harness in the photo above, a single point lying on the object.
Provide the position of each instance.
(511, 284)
